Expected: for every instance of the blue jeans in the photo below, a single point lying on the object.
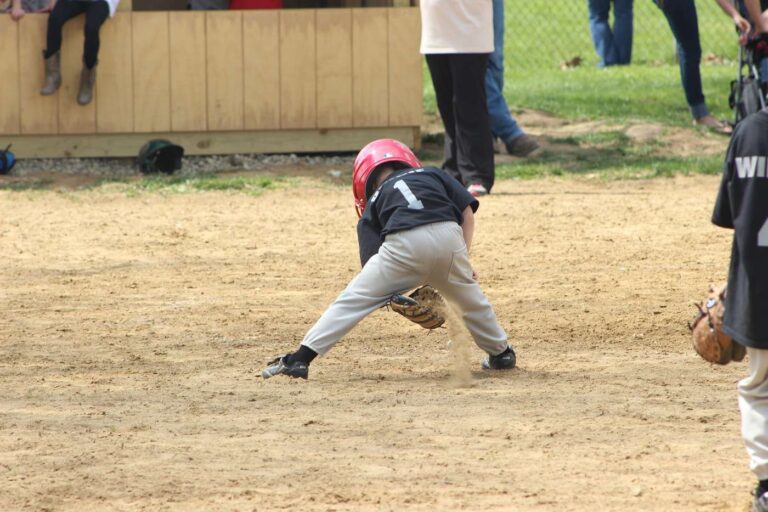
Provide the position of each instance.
(682, 18)
(612, 46)
(503, 125)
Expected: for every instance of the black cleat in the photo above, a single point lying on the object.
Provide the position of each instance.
(504, 361)
(760, 503)
(296, 370)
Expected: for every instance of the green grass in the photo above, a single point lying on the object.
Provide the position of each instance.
(540, 35)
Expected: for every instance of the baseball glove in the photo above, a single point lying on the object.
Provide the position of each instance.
(709, 340)
(420, 307)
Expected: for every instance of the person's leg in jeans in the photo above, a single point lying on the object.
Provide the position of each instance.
(602, 37)
(95, 16)
(682, 18)
(474, 141)
(622, 30)
(442, 81)
(62, 12)
(503, 125)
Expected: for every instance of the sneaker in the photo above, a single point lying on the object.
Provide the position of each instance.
(760, 503)
(477, 190)
(504, 361)
(523, 146)
(278, 365)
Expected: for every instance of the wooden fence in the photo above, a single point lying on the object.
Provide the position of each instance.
(218, 82)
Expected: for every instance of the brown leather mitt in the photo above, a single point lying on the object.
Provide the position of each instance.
(709, 340)
(420, 307)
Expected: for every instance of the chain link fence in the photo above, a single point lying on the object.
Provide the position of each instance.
(547, 33)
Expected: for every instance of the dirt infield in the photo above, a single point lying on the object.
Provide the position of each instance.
(134, 327)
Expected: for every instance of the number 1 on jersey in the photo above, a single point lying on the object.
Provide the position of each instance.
(762, 235)
(413, 203)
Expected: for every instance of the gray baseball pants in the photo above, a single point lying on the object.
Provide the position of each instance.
(433, 254)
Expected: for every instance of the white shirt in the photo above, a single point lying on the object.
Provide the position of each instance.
(456, 26)
(112, 6)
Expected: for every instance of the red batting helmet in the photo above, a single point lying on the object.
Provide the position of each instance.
(372, 156)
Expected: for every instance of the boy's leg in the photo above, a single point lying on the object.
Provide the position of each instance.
(623, 21)
(453, 279)
(62, 12)
(384, 274)
(95, 16)
(753, 403)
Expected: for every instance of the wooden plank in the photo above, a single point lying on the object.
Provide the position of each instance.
(189, 104)
(205, 143)
(114, 101)
(334, 68)
(405, 71)
(73, 117)
(298, 108)
(224, 42)
(261, 59)
(39, 114)
(125, 5)
(10, 110)
(370, 68)
(151, 76)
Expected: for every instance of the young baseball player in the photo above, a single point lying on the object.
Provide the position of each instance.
(742, 205)
(416, 226)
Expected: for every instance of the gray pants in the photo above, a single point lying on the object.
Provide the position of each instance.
(753, 402)
(433, 254)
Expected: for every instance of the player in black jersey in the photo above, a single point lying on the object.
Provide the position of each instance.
(742, 205)
(416, 228)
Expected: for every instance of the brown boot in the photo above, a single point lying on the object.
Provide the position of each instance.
(52, 74)
(87, 83)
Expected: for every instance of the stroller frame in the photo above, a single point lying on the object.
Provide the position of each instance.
(748, 91)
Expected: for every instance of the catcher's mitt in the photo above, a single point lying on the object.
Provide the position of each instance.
(709, 340)
(420, 307)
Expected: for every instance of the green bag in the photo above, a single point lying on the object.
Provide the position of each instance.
(160, 155)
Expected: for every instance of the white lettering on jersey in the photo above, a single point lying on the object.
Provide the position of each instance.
(746, 166)
(413, 203)
(762, 235)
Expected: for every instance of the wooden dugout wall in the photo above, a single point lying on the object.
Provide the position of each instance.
(218, 82)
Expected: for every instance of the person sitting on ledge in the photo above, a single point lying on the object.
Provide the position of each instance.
(96, 13)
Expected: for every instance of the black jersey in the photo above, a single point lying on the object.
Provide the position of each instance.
(407, 199)
(742, 204)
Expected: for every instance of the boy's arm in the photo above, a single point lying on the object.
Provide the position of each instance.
(468, 229)
(468, 226)
(368, 239)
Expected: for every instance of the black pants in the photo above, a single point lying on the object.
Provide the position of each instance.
(459, 81)
(96, 13)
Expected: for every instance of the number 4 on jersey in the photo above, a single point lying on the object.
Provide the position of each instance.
(413, 203)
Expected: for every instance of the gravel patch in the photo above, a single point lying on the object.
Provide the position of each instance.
(121, 167)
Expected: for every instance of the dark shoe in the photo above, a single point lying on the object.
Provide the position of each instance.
(522, 146)
(504, 361)
(760, 503)
(87, 83)
(297, 370)
(52, 74)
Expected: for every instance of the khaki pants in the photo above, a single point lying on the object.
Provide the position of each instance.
(433, 254)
